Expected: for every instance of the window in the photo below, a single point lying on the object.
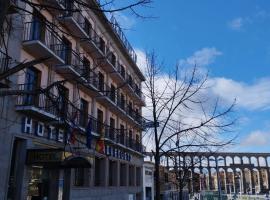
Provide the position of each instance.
(130, 138)
(112, 126)
(112, 93)
(131, 175)
(87, 27)
(99, 121)
(122, 134)
(123, 174)
(63, 100)
(112, 59)
(101, 44)
(130, 80)
(122, 101)
(38, 27)
(32, 82)
(138, 176)
(67, 50)
(100, 82)
(86, 68)
(130, 108)
(81, 177)
(99, 172)
(112, 173)
(83, 113)
(123, 71)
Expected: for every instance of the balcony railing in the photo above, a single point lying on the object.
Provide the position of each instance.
(39, 31)
(122, 37)
(5, 61)
(35, 100)
(66, 111)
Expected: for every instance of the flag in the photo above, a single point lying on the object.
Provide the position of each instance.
(72, 130)
(100, 146)
(89, 134)
(72, 137)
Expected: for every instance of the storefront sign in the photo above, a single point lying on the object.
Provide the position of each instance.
(117, 153)
(43, 156)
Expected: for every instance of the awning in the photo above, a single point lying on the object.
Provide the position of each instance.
(56, 158)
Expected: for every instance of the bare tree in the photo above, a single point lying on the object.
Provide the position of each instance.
(181, 111)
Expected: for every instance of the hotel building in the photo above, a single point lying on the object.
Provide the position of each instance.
(70, 121)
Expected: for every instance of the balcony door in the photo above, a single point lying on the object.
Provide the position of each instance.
(100, 122)
(112, 126)
(66, 53)
(83, 112)
(86, 68)
(32, 82)
(63, 101)
(100, 82)
(38, 27)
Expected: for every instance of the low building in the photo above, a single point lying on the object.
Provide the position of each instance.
(148, 180)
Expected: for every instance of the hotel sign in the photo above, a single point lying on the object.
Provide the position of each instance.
(45, 156)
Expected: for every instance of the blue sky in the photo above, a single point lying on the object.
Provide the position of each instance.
(231, 38)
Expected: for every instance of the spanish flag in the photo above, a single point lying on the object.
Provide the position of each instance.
(100, 146)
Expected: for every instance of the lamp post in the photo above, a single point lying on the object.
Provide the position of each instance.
(218, 181)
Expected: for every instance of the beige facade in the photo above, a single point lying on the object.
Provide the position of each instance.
(99, 98)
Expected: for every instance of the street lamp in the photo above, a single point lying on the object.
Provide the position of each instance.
(218, 181)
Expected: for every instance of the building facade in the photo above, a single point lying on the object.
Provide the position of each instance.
(71, 124)
(148, 181)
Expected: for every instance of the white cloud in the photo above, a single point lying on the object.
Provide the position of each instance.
(125, 22)
(236, 24)
(202, 57)
(141, 59)
(249, 96)
(257, 139)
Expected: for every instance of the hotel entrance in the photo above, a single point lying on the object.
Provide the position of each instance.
(49, 172)
(43, 184)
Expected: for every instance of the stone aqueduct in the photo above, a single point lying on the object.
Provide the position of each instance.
(248, 173)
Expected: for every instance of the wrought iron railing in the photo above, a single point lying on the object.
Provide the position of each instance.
(38, 30)
(5, 61)
(117, 29)
(68, 112)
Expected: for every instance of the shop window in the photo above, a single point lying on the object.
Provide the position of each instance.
(123, 174)
(81, 177)
(131, 175)
(138, 176)
(112, 173)
(99, 172)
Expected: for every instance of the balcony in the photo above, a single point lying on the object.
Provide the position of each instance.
(118, 136)
(55, 6)
(118, 31)
(5, 61)
(37, 105)
(41, 42)
(74, 21)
